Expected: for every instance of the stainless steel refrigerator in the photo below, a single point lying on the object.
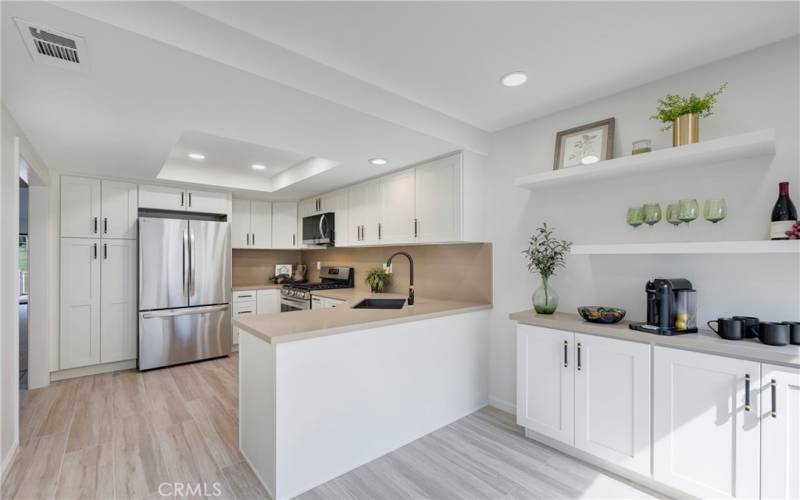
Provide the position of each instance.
(184, 291)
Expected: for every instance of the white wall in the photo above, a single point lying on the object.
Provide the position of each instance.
(12, 144)
(762, 93)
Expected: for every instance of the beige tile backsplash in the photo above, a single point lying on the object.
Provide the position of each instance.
(458, 272)
(256, 267)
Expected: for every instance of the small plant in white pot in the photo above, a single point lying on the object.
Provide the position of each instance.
(377, 279)
(545, 255)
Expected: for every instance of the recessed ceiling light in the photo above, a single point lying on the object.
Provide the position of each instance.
(514, 79)
(589, 159)
(378, 161)
(258, 166)
(197, 156)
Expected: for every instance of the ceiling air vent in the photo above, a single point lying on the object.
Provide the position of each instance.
(53, 47)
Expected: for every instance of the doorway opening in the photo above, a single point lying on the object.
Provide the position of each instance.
(24, 281)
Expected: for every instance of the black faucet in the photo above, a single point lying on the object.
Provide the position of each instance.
(411, 275)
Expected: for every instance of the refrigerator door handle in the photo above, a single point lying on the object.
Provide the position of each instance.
(192, 261)
(184, 311)
(186, 262)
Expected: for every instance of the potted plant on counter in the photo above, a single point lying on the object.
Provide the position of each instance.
(377, 279)
(682, 114)
(545, 255)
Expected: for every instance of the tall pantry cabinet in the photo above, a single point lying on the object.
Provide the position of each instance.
(98, 271)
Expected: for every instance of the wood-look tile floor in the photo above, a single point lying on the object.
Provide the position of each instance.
(122, 435)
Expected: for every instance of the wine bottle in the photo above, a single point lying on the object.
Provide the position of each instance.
(784, 215)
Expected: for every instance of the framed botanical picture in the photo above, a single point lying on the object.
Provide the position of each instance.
(283, 269)
(585, 145)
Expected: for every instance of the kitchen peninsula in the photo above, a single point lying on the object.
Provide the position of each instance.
(323, 391)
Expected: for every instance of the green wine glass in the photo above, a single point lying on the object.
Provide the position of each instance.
(672, 215)
(715, 210)
(635, 216)
(688, 210)
(652, 213)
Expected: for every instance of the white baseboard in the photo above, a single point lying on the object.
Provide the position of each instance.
(501, 404)
(82, 371)
(8, 460)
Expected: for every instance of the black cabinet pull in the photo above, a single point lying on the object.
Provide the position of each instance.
(773, 388)
(248, 239)
(190, 199)
(105, 251)
(566, 346)
(95, 250)
(105, 225)
(379, 231)
(95, 225)
(579, 356)
(182, 195)
(294, 239)
(253, 238)
(747, 392)
(416, 232)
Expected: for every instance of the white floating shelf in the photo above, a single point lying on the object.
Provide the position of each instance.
(737, 147)
(702, 247)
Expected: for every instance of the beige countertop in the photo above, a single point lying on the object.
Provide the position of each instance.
(705, 341)
(265, 286)
(299, 325)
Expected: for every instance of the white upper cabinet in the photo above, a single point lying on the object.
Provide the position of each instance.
(251, 224)
(118, 325)
(780, 432)
(260, 224)
(284, 225)
(188, 199)
(545, 382)
(612, 401)
(162, 197)
(364, 206)
(80, 302)
(80, 207)
(208, 202)
(240, 224)
(397, 222)
(119, 209)
(438, 200)
(706, 429)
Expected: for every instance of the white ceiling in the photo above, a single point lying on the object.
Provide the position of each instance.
(338, 81)
(450, 56)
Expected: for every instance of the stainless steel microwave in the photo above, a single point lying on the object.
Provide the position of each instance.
(319, 229)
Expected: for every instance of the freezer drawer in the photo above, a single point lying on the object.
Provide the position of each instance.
(174, 336)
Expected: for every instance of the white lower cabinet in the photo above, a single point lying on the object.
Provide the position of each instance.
(118, 322)
(545, 382)
(268, 301)
(80, 302)
(612, 401)
(780, 432)
(706, 424)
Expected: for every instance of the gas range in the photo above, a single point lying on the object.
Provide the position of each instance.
(297, 296)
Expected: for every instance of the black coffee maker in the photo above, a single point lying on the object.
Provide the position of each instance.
(671, 307)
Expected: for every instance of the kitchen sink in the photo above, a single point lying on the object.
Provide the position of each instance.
(380, 304)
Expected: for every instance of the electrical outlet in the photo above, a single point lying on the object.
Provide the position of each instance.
(319, 265)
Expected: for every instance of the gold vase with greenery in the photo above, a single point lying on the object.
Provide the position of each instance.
(682, 114)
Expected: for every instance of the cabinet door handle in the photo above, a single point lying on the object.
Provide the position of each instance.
(245, 312)
(105, 225)
(247, 235)
(190, 198)
(579, 356)
(416, 228)
(294, 239)
(379, 230)
(95, 225)
(253, 239)
(747, 392)
(566, 347)
(105, 251)
(94, 246)
(182, 196)
(773, 386)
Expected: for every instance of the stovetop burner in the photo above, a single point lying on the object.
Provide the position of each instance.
(332, 278)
